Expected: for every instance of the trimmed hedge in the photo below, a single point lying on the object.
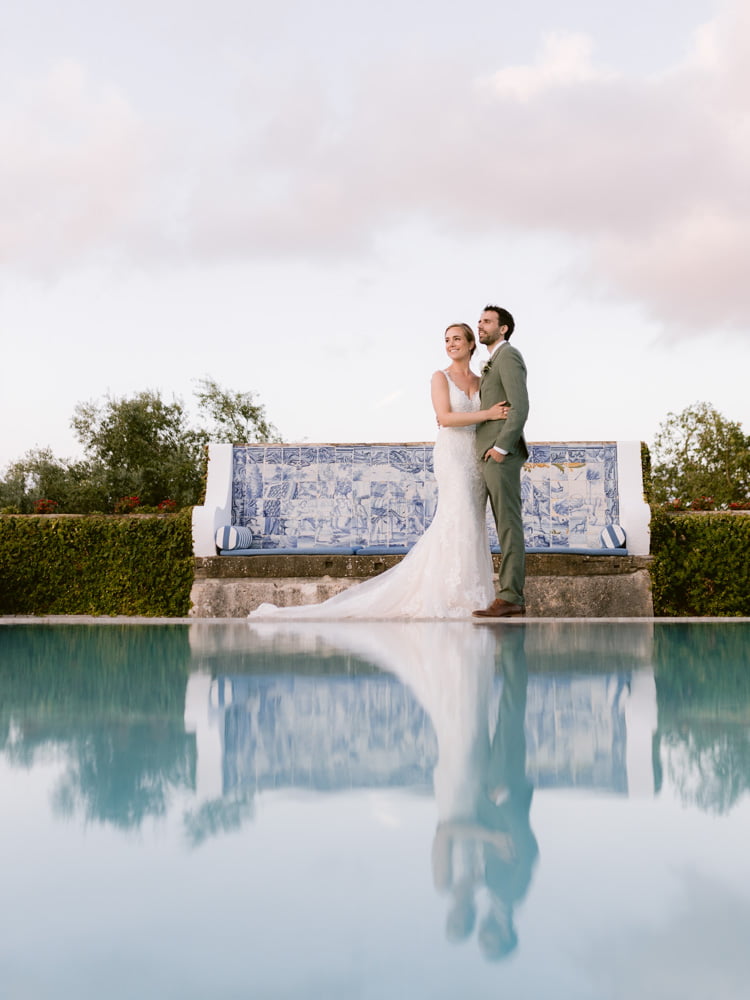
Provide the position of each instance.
(700, 564)
(96, 565)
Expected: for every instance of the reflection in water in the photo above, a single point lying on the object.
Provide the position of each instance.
(108, 703)
(483, 839)
(488, 843)
(393, 789)
(369, 705)
(273, 721)
(484, 849)
(703, 737)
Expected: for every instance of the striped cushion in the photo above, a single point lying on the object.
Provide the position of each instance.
(233, 536)
(613, 537)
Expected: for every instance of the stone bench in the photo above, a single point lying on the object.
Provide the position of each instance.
(324, 516)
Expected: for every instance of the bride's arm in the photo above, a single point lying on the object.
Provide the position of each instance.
(449, 418)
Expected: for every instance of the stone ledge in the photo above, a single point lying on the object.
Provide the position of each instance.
(363, 566)
(564, 586)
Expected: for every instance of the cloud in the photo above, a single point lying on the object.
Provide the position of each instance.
(646, 176)
(72, 170)
(565, 59)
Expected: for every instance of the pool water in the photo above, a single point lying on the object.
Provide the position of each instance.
(375, 810)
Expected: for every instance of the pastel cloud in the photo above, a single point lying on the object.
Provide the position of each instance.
(73, 170)
(565, 59)
(648, 177)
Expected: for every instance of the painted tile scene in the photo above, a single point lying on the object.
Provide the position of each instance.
(385, 495)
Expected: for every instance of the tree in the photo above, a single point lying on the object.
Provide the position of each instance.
(134, 446)
(143, 446)
(39, 475)
(235, 416)
(700, 453)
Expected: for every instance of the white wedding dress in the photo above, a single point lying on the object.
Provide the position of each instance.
(448, 573)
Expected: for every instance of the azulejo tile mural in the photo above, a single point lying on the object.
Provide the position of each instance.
(313, 496)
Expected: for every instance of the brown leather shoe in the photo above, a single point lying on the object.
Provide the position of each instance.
(500, 609)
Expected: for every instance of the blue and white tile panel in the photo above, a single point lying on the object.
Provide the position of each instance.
(307, 496)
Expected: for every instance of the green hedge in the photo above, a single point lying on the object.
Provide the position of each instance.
(701, 564)
(96, 565)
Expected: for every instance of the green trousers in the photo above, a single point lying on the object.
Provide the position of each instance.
(503, 481)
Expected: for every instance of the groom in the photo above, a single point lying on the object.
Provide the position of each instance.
(502, 450)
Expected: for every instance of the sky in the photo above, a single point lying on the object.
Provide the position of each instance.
(296, 198)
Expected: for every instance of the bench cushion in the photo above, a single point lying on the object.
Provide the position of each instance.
(613, 537)
(233, 536)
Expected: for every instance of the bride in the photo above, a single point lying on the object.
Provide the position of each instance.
(449, 571)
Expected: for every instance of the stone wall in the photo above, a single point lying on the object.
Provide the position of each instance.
(558, 585)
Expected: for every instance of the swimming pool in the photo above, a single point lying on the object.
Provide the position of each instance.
(362, 810)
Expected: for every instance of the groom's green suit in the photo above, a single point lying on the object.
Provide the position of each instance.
(504, 378)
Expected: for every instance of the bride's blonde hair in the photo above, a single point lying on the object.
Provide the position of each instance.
(467, 331)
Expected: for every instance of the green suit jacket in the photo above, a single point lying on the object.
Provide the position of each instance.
(504, 378)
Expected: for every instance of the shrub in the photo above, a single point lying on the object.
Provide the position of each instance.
(700, 564)
(126, 505)
(96, 565)
(44, 506)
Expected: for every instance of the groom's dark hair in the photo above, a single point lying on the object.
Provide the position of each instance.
(504, 318)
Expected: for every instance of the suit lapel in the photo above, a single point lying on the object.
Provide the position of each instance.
(487, 367)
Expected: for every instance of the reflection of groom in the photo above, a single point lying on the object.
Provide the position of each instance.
(502, 451)
(507, 872)
(500, 828)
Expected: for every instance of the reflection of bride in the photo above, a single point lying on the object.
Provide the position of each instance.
(483, 842)
(448, 666)
(449, 571)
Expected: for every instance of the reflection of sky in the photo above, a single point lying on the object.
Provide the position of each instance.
(335, 890)
(330, 893)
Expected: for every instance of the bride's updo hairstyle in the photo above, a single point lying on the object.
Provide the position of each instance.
(467, 331)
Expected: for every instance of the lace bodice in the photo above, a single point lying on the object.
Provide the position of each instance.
(454, 446)
(460, 402)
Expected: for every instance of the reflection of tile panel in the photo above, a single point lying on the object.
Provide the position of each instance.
(576, 732)
(386, 494)
(285, 730)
